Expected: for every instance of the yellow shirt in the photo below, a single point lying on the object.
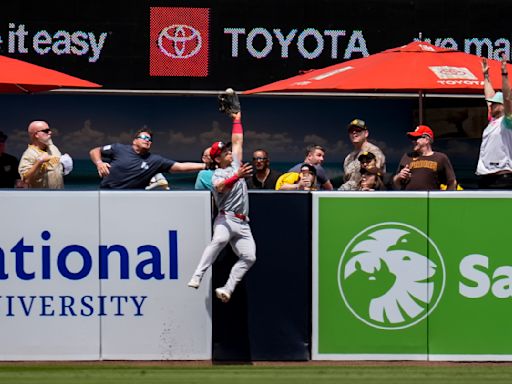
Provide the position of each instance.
(287, 178)
(49, 174)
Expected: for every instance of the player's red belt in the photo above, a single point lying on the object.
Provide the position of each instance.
(238, 215)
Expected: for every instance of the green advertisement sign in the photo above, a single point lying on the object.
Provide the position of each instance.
(411, 276)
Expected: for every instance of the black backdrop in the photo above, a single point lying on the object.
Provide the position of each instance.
(326, 28)
(269, 314)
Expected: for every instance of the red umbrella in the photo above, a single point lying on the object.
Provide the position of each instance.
(17, 76)
(415, 67)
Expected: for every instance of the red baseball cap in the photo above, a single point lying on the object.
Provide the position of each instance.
(217, 148)
(420, 131)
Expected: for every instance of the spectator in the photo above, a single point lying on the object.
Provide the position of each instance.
(132, 166)
(358, 134)
(42, 165)
(232, 223)
(495, 161)
(424, 169)
(264, 177)
(9, 176)
(305, 180)
(315, 156)
(371, 180)
(204, 177)
(367, 160)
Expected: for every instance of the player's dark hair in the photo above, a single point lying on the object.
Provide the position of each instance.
(262, 150)
(313, 147)
(147, 130)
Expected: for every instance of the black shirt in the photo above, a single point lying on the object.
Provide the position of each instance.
(130, 170)
(8, 170)
(269, 183)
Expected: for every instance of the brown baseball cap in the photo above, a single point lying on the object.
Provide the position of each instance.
(357, 123)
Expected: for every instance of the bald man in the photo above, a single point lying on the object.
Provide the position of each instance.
(42, 165)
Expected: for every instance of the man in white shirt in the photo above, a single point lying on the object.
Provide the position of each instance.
(495, 160)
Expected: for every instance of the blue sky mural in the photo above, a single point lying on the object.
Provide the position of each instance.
(184, 125)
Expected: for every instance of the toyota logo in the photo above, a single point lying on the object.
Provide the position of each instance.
(450, 71)
(179, 41)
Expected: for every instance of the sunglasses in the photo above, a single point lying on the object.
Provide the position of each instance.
(420, 137)
(145, 137)
(259, 158)
(47, 130)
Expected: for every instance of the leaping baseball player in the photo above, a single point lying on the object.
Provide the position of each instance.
(232, 199)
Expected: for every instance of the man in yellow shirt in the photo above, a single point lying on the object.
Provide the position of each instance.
(42, 165)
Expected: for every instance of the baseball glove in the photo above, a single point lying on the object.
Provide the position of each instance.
(228, 102)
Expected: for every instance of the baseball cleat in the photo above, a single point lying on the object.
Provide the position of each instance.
(194, 282)
(222, 294)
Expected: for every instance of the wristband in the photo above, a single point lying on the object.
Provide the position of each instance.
(504, 73)
(237, 126)
(231, 181)
(99, 161)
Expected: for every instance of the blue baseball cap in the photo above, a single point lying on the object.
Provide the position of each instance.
(497, 98)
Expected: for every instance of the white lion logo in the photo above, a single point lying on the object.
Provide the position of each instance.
(395, 276)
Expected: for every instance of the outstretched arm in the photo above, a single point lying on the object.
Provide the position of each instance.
(187, 167)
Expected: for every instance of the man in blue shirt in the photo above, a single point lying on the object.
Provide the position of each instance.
(315, 156)
(132, 166)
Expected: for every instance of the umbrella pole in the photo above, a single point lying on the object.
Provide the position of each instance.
(420, 106)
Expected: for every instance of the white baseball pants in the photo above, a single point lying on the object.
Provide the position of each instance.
(238, 233)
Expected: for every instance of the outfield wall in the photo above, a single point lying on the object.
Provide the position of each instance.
(394, 276)
(412, 276)
(269, 315)
(102, 275)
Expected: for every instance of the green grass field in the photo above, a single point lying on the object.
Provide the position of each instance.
(56, 373)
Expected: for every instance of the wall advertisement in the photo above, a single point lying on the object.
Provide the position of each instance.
(102, 275)
(411, 276)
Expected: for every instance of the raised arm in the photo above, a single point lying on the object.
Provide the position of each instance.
(507, 97)
(237, 136)
(488, 89)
